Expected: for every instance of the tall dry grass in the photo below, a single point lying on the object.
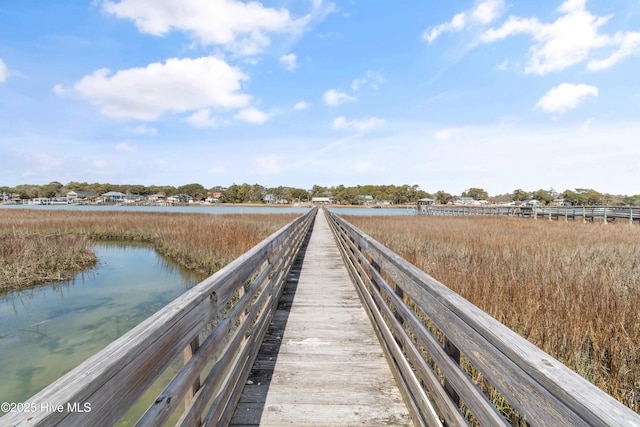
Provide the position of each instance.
(43, 245)
(572, 289)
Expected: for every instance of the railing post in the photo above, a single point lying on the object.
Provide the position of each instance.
(188, 354)
(630, 215)
(605, 215)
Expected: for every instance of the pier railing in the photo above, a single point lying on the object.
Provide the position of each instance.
(218, 326)
(580, 213)
(426, 329)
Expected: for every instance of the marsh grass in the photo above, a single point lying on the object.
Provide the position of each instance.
(572, 289)
(41, 246)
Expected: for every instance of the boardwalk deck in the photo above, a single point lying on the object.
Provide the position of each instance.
(326, 367)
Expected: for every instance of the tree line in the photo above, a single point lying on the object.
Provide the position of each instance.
(256, 193)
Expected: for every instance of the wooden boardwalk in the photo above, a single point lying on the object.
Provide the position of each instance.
(321, 363)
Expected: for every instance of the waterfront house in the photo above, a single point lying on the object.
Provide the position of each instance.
(114, 197)
(80, 196)
(321, 200)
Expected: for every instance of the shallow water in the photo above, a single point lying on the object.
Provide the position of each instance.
(47, 331)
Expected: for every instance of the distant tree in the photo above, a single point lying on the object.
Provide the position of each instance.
(443, 198)
(318, 191)
(421, 194)
(76, 186)
(583, 196)
(350, 196)
(543, 196)
(230, 195)
(194, 190)
(136, 189)
(632, 200)
(299, 194)
(27, 191)
(476, 194)
(520, 195)
(51, 189)
(571, 197)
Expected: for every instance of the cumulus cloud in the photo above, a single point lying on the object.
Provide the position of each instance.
(177, 85)
(333, 97)
(628, 44)
(301, 105)
(3, 71)
(572, 38)
(289, 61)
(484, 13)
(447, 134)
(565, 96)
(252, 115)
(359, 126)
(241, 27)
(126, 146)
(202, 119)
(59, 90)
(372, 79)
(143, 130)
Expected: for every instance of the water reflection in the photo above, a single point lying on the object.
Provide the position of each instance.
(47, 331)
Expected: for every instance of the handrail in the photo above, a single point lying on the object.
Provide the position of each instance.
(591, 213)
(399, 296)
(220, 321)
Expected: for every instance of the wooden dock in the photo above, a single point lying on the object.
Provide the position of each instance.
(321, 363)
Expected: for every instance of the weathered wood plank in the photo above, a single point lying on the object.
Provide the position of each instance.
(327, 366)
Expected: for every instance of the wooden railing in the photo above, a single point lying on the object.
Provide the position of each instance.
(218, 325)
(581, 213)
(402, 300)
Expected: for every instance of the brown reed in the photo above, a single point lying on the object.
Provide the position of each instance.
(572, 289)
(39, 246)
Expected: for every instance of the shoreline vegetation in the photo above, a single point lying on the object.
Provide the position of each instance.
(43, 246)
(572, 289)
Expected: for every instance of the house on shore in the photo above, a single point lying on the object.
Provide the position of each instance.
(80, 196)
(114, 197)
(322, 200)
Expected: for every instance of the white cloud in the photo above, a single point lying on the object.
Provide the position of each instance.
(241, 27)
(360, 126)
(267, 165)
(143, 130)
(252, 115)
(126, 146)
(3, 71)
(572, 38)
(289, 61)
(301, 105)
(202, 119)
(333, 97)
(59, 90)
(484, 13)
(178, 85)
(565, 96)
(371, 78)
(629, 43)
(447, 134)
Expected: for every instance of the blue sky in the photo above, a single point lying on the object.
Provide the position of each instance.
(445, 95)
